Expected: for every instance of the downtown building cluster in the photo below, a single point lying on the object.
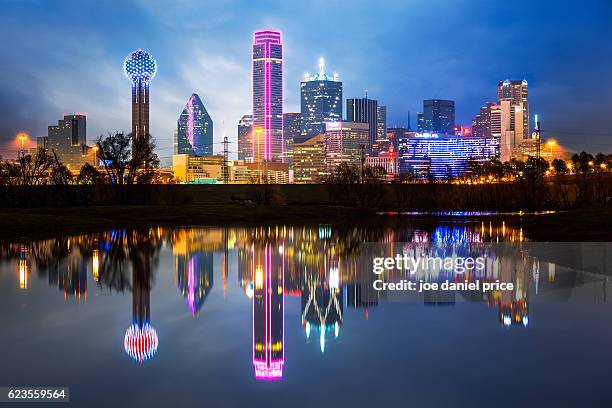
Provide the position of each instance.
(312, 143)
(275, 146)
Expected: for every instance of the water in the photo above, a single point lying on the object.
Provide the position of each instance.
(282, 315)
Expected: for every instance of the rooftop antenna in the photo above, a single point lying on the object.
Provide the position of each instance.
(321, 65)
(225, 154)
(408, 127)
(366, 94)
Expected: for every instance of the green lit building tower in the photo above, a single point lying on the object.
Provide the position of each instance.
(321, 101)
(194, 129)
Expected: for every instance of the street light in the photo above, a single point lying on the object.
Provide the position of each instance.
(23, 138)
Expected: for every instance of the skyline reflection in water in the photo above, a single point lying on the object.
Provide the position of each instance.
(327, 270)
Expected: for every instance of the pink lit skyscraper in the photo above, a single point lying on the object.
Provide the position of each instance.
(268, 141)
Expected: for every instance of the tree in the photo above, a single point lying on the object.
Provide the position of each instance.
(374, 174)
(9, 173)
(344, 174)
(33, 168)
(583, 162)
(535, 167)
(474, 168)
(559, 166)
(127, 160)
(602, 162)
(494, 168)
(60, 174)
(89, 175)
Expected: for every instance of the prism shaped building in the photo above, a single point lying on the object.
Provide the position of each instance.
(194, 134)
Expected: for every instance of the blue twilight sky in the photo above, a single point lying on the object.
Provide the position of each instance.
(66, 56)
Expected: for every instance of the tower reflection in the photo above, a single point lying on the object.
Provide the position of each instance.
(23, 268)
(195, 279)
(141, 341)
(322, 309)
(268, 311)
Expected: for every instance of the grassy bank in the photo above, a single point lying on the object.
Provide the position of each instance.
(575, 225)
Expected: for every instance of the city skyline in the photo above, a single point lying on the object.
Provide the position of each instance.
(219, 70)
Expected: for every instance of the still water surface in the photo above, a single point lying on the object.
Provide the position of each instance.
(287, 316)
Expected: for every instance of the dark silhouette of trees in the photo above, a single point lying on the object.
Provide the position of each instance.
(89, 175)
(559, 166)
(583, 162)
(33, 168)
(126, 160)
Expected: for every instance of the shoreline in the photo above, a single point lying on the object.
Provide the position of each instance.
(593, 224)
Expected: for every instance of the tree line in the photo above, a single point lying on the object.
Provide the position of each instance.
(124, 160)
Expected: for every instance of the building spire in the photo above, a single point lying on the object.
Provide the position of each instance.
(321, 66)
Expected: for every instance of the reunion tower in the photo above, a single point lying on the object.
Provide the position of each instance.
(140, 68)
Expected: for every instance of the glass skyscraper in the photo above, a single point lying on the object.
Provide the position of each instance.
(195, 129)
(321, 101)
(364, 110)
(245, 131)
(439, 116)
(267, 142)
(420, 122)
(517, 91)
(291, 132)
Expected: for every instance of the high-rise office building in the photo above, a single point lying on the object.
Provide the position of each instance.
(381, 131)
(291, 132)
(68, 141)
(439, 116)
(481, 124)
(517, 91)
(309, 160)
(507, 127)
(394, 135)
(321, 101)
(381, 115)
(420, 122)
(245, 132)
(346, 142)
(140, 68)
(194, 129)
(364, 110)
(267, 137)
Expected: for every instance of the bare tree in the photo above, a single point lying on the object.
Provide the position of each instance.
(34, 168)
(125, 162)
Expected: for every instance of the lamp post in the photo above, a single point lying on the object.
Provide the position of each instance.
(23, 138)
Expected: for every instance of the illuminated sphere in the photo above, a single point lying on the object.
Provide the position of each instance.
(140, 65)
(140, 342)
